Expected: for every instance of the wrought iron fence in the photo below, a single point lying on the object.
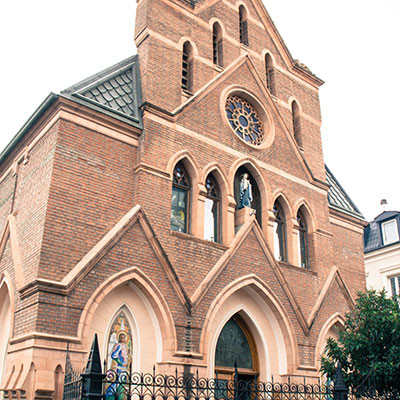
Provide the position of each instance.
(152, 386)
(127, 385)
(72, 381)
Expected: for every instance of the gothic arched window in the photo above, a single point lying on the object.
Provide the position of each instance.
(187, 67)
(269, 72)
(180, 199)
(5, 318)
(296, 123)
(211, 210)
(217, 45)
(279, 233)
(119, 344)
(303, 242)
(235, 347)
(243, 30)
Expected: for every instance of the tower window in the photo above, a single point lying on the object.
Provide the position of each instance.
(187, 67)
(303, 242)
(217, 45)
(211, 210)
(244, 37)
(296, 123)
(279, 233)
(270, 74)
(180, 199)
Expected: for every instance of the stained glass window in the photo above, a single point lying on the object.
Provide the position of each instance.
(211, 210)
(180, 199)
(244, 120)
(119, 348)
(233, 345)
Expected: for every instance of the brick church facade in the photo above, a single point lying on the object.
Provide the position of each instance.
(125, 211)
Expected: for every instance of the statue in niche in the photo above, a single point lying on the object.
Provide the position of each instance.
(246, 196)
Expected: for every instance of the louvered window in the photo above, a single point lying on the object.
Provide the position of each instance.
(217, 45)
(187, 67)
(270, 74)
(244, 37)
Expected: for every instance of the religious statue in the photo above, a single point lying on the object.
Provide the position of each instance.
(246, 196)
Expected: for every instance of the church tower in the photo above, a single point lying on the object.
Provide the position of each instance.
(183, 212)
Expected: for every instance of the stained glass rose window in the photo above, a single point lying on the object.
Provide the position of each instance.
(244, 120)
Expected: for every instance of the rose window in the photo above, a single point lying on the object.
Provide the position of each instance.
(244, 120)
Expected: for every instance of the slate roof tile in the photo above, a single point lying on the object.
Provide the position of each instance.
(116, 88)
(338, 198)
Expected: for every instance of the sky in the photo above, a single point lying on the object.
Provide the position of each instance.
(47, 46)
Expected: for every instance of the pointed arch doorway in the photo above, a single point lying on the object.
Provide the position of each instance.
(236, 347)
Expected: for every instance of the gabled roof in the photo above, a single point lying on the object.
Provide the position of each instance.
(115, 90)
(373, 239)
(338, 198)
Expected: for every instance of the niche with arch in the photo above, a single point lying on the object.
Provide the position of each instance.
(256, 203)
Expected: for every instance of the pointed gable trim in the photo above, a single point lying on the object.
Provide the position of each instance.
(88, 262)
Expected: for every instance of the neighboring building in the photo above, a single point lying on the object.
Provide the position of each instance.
(120, 211)
(382, 253)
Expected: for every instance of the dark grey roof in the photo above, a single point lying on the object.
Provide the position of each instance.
(115, 90)
(338, 198)
(373, 234)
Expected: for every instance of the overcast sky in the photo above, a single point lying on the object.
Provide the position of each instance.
(352, 45)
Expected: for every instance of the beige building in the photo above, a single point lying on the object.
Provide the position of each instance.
(382, 253)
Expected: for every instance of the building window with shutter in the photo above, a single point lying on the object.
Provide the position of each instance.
(180, 199)
(243, 29)
(187, 67)
(217, 45)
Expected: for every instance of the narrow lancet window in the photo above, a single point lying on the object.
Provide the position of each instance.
(217, 45)
(270, 74)
(180, 199)
(211, 210)
(187, 67)
(303, 243)
(243, 30)
(296, 123)
(279, 233)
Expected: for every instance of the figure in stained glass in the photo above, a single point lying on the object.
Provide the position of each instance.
(119, 354)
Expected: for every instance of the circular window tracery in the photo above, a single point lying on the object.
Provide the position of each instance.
(244, 120)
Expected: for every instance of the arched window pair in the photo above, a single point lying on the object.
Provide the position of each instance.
(180, 204)
(187, 57)
(280, 247)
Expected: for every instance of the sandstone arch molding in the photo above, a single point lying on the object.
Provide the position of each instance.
(273, 333)
(330, 327)
(149, 310)
(6, 313)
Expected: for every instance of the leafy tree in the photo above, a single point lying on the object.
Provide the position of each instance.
(369, 346)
